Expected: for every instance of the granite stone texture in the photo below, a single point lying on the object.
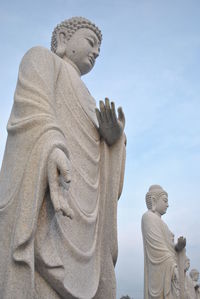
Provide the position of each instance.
(163, 269)
(194, 276)
(189, 285)
(61, 177)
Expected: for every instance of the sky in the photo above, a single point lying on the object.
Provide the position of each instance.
(150, 65)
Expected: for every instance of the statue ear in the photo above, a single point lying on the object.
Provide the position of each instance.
(61, 44)
(62, 38)
(153, 204)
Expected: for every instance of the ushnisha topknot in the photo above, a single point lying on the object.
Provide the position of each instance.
(155, 191)
(70, 26)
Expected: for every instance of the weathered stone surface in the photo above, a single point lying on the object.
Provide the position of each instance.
(161, 264)
(189, 286)
(61, 176)
(194, 275)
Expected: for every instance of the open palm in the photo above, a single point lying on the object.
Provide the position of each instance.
(111, 127)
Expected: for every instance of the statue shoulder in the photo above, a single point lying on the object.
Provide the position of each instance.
(38, 56)
(148, 216)
(38, 52)
(151, 220)
(39, 61)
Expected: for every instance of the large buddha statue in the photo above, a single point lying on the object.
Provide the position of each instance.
(161, 275)
(62, 175)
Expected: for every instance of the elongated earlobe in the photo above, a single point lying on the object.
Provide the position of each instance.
(60, 51)
(61, 44)
(153, 205)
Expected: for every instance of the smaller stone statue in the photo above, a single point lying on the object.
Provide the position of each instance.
(161, 273)
(194, 274)
(189, 287)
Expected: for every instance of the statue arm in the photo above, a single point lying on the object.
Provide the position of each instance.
(59, 177)
(35, 108)
(121, 182)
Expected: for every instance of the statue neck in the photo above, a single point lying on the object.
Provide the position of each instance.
(158, 214)
(65, 58)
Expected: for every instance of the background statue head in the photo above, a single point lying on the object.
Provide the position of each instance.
(157, 200)
(194, 274)
(79, 40)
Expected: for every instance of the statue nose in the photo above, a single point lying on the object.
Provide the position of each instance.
(96, 54)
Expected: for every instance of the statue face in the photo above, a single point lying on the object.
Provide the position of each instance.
(82, 49)
(195, 276)
(162, 204)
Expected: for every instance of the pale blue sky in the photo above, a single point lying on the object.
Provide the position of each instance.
(150, 65)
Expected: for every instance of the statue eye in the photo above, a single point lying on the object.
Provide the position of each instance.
(91, 42)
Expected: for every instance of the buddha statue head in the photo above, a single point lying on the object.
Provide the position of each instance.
(194, 274)
(78, 40)
(157, 200)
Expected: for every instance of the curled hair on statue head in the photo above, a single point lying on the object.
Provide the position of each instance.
(69, 27)
(153, 195)
(148, 201)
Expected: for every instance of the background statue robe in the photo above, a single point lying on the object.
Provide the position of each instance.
(189, 288)
(159, 258)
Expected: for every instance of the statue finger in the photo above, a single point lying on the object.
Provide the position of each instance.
(63, 183)
(55, 200)
(113, 112)
(66, 174)
(98, 114)
(67, 211)
(103, 111)
(108, 110)
(54, 188)
(121, 116)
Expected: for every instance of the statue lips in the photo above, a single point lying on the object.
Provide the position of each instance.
(91, 59)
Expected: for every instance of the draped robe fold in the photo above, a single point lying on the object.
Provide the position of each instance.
(45, 254)
(189, 288)
(159, 259)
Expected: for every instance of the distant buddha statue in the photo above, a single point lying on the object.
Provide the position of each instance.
(62, 175)
(189, 287)
(194, 274)
(161, 276)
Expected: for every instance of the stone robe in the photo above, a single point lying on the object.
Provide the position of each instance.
(197, 293)
(189, 288)
(159, 259)
(195, 290)
(44, 254)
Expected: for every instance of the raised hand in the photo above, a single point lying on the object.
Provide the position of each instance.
(180, 244)
(59, 178)
(197, 288)
(111, 127)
